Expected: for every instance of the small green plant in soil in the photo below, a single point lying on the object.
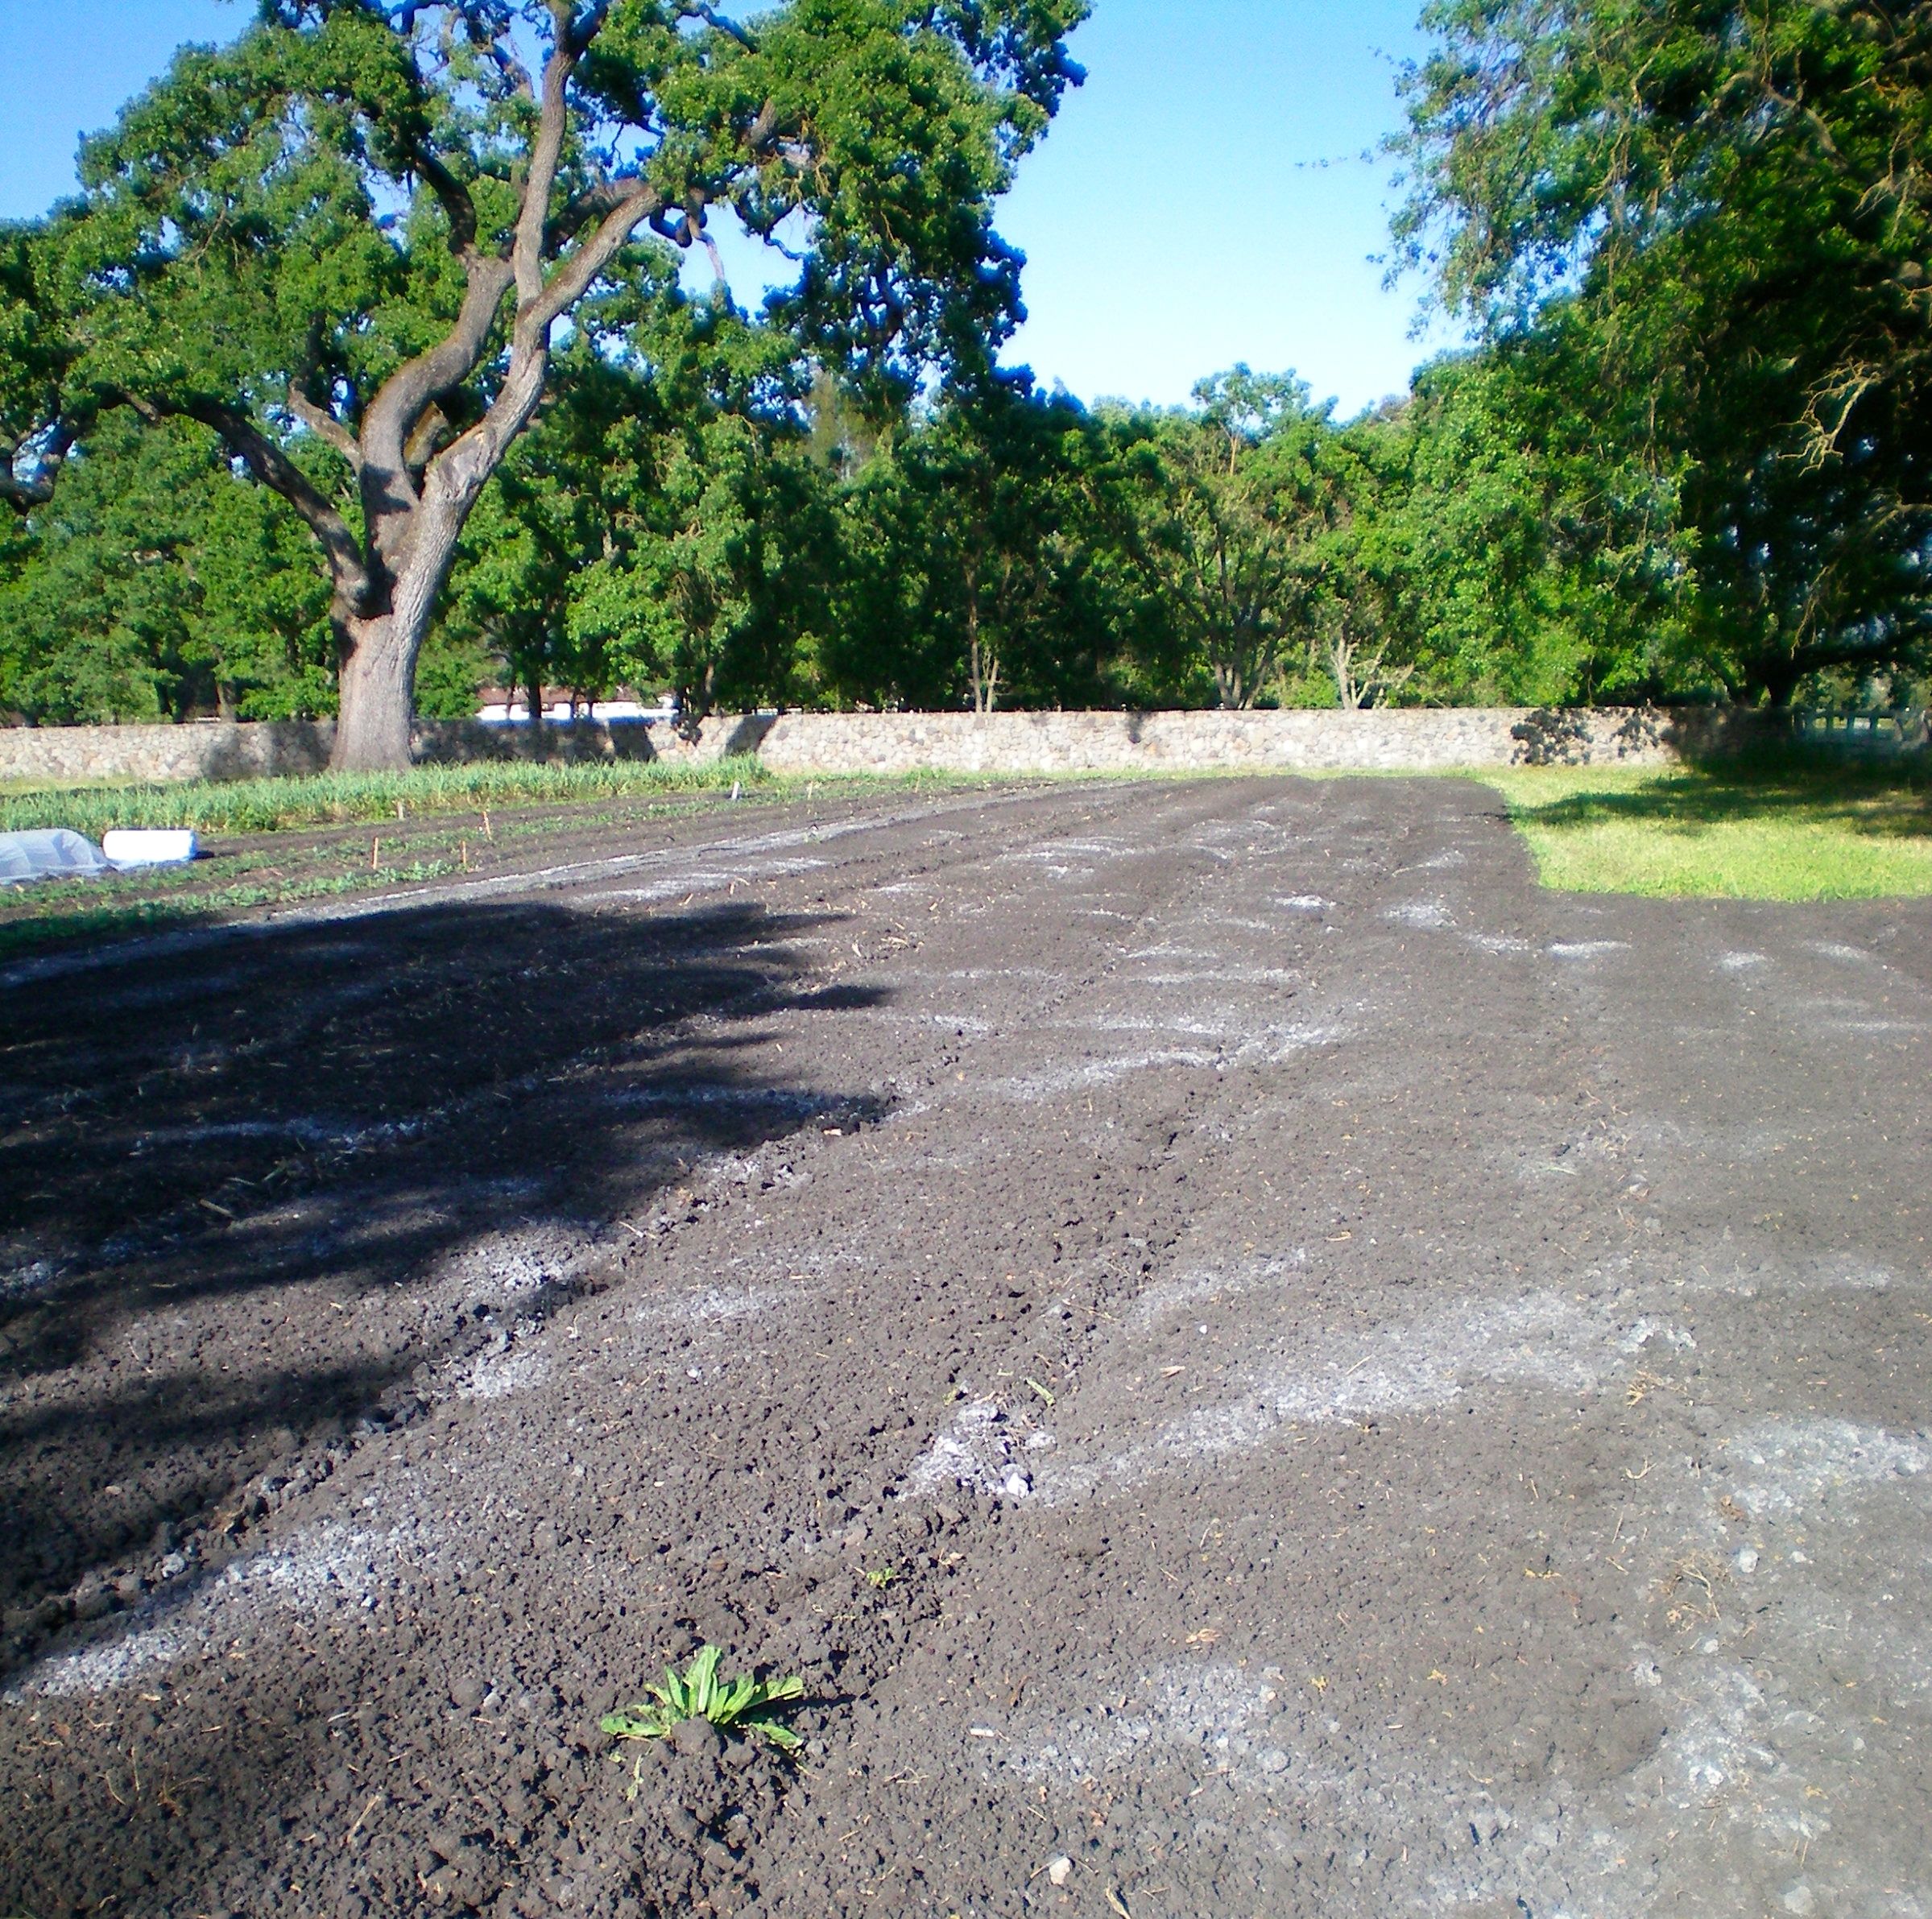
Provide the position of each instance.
(743, 1704)
(878, 1577)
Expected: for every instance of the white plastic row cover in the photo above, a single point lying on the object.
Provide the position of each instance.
(59, 852)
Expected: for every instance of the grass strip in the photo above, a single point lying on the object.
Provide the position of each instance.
(1791, 827)
(1786, 827)
(68, 911)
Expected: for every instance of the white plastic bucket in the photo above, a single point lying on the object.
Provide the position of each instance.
(148, 845)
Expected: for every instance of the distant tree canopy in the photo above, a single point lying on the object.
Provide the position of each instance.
(364, 371)
(1722, 212)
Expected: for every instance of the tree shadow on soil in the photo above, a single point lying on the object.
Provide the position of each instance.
(248, 1194)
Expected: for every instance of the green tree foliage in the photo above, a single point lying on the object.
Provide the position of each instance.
(157, 583)
(1726, 207)
(1241, 499)
(403, 284)
(984, 560)
(661, 524)
(33, 437)
(1513, 551)
(691, 511)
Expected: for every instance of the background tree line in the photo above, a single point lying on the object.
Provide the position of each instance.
(1682, 458)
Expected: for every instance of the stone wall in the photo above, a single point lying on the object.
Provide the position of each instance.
(251, 749)
(1401, 739)
(212, 751)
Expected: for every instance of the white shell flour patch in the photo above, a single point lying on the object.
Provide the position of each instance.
(496, 1376)
(719, 1305)
(1177, 1712)
(328, 1569)
(1168, 1296)
(980, 1453)
(1783, 1465)
(1422, 912)
(1543, 1341)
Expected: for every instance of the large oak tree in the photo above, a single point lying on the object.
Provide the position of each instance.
(360, 226)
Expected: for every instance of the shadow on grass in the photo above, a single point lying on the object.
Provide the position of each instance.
(62, 914)
(1886, 799)
(299, 862)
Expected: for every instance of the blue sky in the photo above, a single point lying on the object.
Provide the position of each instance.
(1200, 199)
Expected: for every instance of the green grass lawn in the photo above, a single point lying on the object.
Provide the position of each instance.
(1783, 828)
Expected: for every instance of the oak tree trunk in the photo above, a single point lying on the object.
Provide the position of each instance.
(377, 683)
(376, 665)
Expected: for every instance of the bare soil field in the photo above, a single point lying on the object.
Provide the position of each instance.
(1254, 1362)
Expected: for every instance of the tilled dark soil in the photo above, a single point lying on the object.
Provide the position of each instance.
(1255, 1362)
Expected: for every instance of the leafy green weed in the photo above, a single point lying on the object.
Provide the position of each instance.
(742, 1705)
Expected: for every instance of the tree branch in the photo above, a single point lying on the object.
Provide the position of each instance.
(581, 32)
(594, 203)
(462, 466)
(393, 416)
(553, 121)
(713, 18)
(274, 470)
(456, 474)
(512, 69)
(763, 131)
(324, 426)
(573, 277)
(22, 494)
(432, 433)
(459, 209)
(394, 412)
